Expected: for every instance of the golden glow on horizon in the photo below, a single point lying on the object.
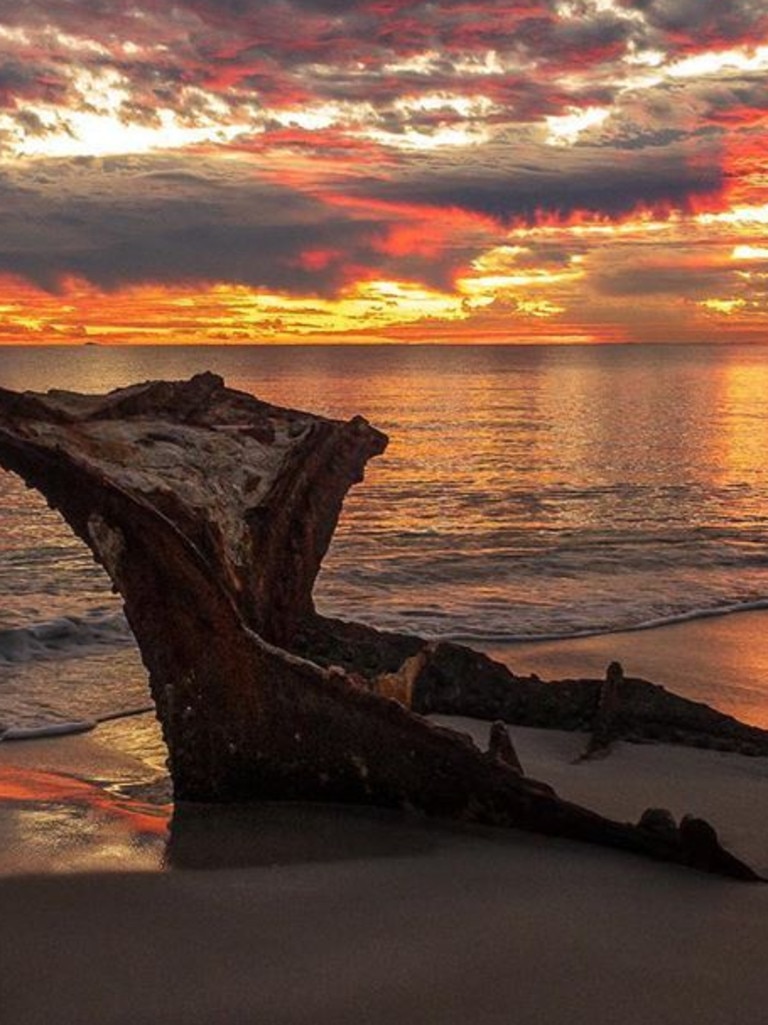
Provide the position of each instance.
(497, 273)
(220, 313)
(748, 252)
(736, 216)
(500, 297)
(504, 282)
(725, 306)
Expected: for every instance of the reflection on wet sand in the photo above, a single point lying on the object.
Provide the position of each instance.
(53, 821)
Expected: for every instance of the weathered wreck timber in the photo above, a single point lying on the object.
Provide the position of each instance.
(457, 681)
(211, 512)
(450, 679)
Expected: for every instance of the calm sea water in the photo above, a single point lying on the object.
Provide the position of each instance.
(527, 492)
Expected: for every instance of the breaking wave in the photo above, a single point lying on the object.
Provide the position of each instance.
(63, 636)
(66, 727)
(478, 637)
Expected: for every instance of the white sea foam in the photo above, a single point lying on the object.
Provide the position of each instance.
(53, 729)
(478, 637)
(58, 728)
(63, 636)
(528, 493)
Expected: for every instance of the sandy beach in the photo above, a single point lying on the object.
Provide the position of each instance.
(458, 929)
(294, 914)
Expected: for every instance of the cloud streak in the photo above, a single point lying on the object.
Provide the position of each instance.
(313, 148)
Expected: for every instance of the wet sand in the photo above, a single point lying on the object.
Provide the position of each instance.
(289, 914)
(294, 914)
(512, 929)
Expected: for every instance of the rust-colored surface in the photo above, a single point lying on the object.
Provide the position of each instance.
(211, 511)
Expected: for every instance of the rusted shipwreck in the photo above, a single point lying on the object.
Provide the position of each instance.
(211, 512)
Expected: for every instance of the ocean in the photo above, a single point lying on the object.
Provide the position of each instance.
(528, 493)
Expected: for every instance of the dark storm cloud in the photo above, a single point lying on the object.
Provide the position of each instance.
(297, 33)
(99, 18)
(31, 124)
(602, 35)
(703, 22)
(739, 100)
(663, 278)
(289, 53)
(568, 42)
(30, 80)
(687, 114)
(249, 8)
(131, 220)
(302, 32)
(547, 254)
(559, 183)
(660, 138)
(116, 227)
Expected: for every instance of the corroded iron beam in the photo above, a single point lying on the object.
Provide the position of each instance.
(211, 512)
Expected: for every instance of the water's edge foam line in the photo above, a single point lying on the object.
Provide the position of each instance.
(61, 637)
(60, 729)
(73, 726)
(650, 624)
(79, 635)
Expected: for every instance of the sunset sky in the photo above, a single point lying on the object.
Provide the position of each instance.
(317, 170)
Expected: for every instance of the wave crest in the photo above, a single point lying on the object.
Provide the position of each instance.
(65, 635)
(478, 638)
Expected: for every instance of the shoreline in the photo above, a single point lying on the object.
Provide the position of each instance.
(333, 915)
(75, 804)
(296, 913)
(720, 660)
